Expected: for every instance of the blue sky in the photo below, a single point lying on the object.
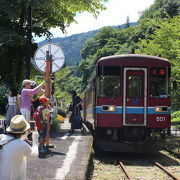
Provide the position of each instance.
(115, 14)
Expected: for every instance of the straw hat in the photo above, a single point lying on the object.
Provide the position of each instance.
(18, 125)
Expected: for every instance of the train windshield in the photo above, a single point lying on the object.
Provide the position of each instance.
(159, 82)
(108, 81)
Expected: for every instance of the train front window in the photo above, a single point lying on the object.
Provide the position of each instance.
(108, 81)
(159, 82)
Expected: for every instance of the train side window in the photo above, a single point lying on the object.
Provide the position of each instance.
(108, 82)
(134, 86)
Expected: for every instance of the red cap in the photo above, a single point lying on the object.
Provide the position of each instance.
(43, 99)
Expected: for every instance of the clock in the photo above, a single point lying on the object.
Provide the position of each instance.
(58, 58)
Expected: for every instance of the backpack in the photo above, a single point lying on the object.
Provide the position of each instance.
(38, 117)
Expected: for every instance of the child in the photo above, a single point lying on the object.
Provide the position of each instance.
(42, 117)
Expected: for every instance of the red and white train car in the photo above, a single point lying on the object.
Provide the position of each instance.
(127, 105)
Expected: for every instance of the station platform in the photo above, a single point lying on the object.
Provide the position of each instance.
(67, 161)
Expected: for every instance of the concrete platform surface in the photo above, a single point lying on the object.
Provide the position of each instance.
(67, 161)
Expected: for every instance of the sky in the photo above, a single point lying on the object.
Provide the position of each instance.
(115, 14)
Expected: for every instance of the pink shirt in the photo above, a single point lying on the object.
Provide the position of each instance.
(26, 95)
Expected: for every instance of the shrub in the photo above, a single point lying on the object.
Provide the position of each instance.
(61, 111)
(176, 116)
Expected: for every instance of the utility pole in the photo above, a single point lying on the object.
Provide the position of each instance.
(29, 43)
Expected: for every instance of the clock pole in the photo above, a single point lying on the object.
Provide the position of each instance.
(48, 87)
(47, 73)
(45, 63)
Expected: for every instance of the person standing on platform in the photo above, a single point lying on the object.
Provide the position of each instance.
(11, 107)
(42, 119)
(26, 95)
(14, 151)
(75, 108)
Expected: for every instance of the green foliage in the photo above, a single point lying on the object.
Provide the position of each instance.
(3, 98)
(162, 8)
(55, 127)
(165, 41)
(15, 31)
(108, 41)
(176, 116)
(66, 80)
(3, 91)
(156, 34)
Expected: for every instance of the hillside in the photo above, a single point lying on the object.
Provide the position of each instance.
(73, 44)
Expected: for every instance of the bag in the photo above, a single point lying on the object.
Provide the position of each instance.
(38, 117)
(77, 120)
(1, 145)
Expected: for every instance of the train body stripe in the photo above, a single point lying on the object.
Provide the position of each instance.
(119, 110)
(131, 110)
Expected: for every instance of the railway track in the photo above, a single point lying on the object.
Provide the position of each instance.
(165, 170)
(152, 166)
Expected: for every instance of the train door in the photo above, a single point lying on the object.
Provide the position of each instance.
(135, 97)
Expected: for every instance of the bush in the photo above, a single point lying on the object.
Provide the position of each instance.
(61, 111)
(56, 125)
(3, 99)
(3, 91)
(176, 116)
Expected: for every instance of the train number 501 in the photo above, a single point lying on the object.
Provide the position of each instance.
(160, 119)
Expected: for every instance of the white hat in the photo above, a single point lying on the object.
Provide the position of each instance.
(25, 82)
(18, 125)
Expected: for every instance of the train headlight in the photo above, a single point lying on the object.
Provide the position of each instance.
(161, 109)
(110, 108)
(157, 109)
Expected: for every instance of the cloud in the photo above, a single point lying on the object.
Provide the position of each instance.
(115, 14)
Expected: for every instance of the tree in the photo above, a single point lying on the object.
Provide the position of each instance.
(162, 9)
(165, 42)
(15, 28)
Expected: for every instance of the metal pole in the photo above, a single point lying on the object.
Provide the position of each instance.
(48, 79)
(48, 87)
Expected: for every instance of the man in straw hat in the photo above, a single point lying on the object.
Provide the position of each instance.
(14, 151)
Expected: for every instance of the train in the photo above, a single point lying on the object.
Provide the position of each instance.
(127, 104)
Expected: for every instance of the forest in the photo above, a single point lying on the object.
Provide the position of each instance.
(157, 33)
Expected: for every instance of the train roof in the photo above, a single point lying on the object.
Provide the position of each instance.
(133, 59)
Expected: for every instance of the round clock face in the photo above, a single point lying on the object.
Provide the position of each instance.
(57, 57)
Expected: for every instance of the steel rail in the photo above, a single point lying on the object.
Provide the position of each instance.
(125, 171)
(166, 171)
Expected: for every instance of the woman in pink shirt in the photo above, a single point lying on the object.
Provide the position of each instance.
(26, 95)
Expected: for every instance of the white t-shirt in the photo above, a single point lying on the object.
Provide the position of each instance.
(12, 100)
(13, 156)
